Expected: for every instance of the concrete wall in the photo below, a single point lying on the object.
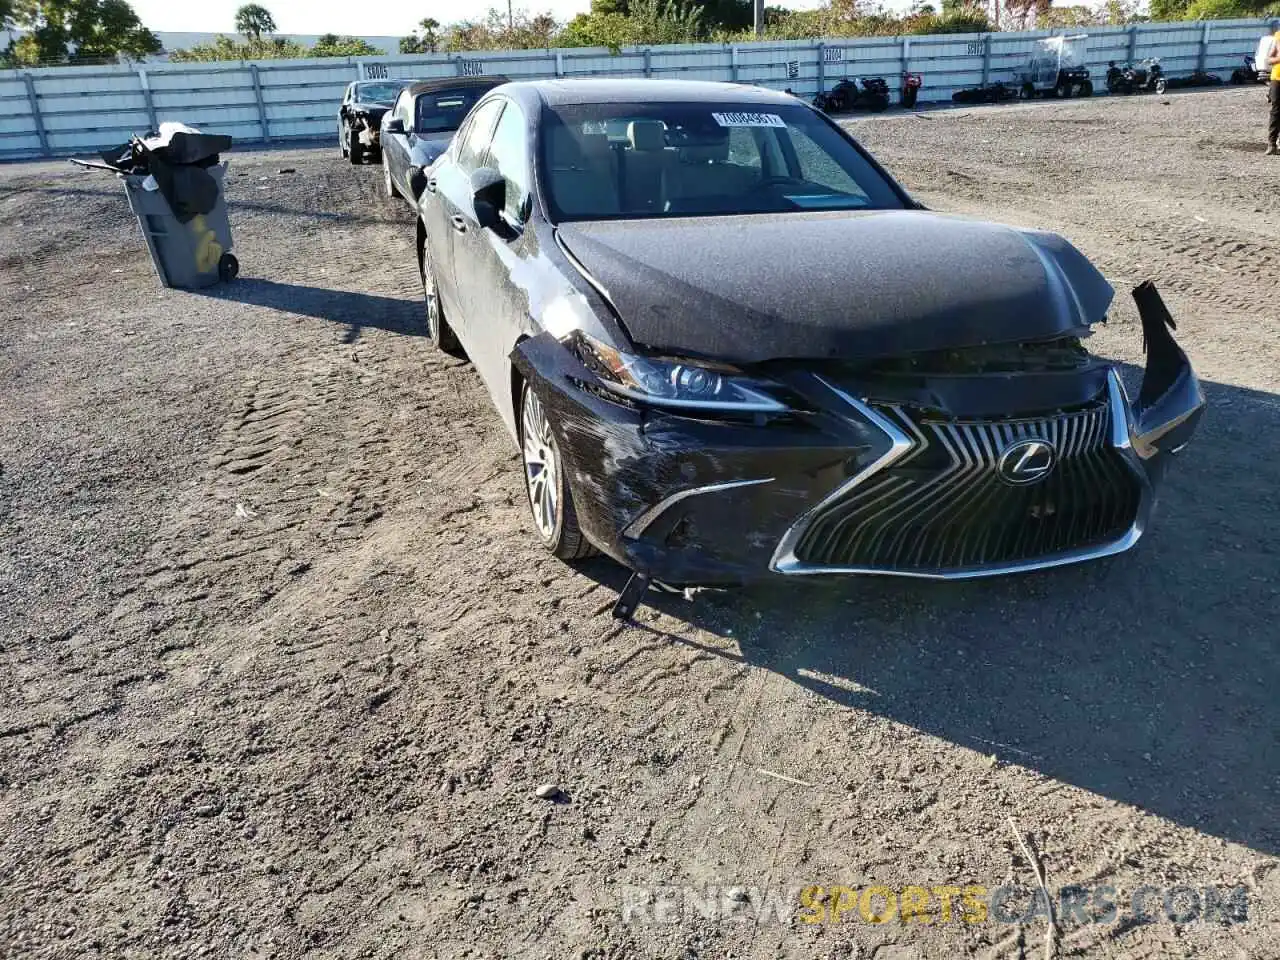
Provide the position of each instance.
(58, 111)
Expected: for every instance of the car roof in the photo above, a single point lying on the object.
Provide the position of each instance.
(619, 90)
(454, 83)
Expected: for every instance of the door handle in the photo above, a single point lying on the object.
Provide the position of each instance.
(459, 222)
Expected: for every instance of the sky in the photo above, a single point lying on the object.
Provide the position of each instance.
(369, 18)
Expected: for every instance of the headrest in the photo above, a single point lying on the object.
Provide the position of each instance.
(647, 136)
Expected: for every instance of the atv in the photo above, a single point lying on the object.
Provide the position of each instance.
(1056, 69)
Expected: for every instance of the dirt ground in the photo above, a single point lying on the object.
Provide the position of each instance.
(282, 664)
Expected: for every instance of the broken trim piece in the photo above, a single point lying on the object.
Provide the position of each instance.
(1171, 400)
(637, 527)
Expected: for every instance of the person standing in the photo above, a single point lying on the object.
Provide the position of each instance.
(1273, 94)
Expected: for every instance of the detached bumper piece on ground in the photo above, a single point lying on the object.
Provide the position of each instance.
(174, 183)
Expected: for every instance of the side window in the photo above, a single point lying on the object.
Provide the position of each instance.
(478, 134)
(509, 155)
(346, 96)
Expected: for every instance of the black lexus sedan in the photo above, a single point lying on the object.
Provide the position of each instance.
(729, 346)
(360, 117)
(419, 127)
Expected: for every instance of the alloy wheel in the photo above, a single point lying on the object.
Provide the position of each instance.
(429, 292)
(541, 466)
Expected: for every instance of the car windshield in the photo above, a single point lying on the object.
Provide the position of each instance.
(630, 160)
(445, 109)
(1065, 51)
(384, 93)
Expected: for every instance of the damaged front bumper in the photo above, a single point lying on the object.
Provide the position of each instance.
(367, 130)
(857, 484)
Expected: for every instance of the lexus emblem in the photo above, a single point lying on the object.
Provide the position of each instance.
(1026, 461)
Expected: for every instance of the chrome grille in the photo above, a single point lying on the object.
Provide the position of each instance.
(943, 506)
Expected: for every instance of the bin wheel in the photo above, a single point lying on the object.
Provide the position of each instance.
(228, 267)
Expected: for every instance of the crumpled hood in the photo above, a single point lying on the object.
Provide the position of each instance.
(837, 285)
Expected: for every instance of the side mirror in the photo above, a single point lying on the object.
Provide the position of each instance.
(488, 196)
(394, 126)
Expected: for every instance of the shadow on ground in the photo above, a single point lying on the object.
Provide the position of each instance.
(356, 310)
(1150, 678)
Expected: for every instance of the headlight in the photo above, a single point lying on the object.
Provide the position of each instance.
(680, 384)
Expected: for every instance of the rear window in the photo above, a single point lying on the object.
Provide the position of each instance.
(445, 109)
(602, 161)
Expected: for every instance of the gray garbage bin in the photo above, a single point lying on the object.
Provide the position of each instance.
(189, 255)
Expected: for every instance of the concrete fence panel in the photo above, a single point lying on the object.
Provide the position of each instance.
(57, 111)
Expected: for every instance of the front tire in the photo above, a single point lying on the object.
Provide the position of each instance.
(550, 499)
(438, 329)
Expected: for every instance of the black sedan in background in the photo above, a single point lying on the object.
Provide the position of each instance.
(360, 117)
(421, 124)
(729, 346)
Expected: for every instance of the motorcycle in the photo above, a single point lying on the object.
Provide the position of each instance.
(911, 84)
(991, 93)
(847, 95)
(1146, 76)
(1249, 73)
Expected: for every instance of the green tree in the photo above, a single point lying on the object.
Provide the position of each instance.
(79, 31)
(424, 40)
(645, 22)
(1120, 12)
(225, 48)
(1229, 9)
(497, 31)
(1074, 16)
(332, 45)
(252, 21)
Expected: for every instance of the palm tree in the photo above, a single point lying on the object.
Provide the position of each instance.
(252, 21)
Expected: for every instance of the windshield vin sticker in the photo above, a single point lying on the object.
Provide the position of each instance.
(748, 119)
